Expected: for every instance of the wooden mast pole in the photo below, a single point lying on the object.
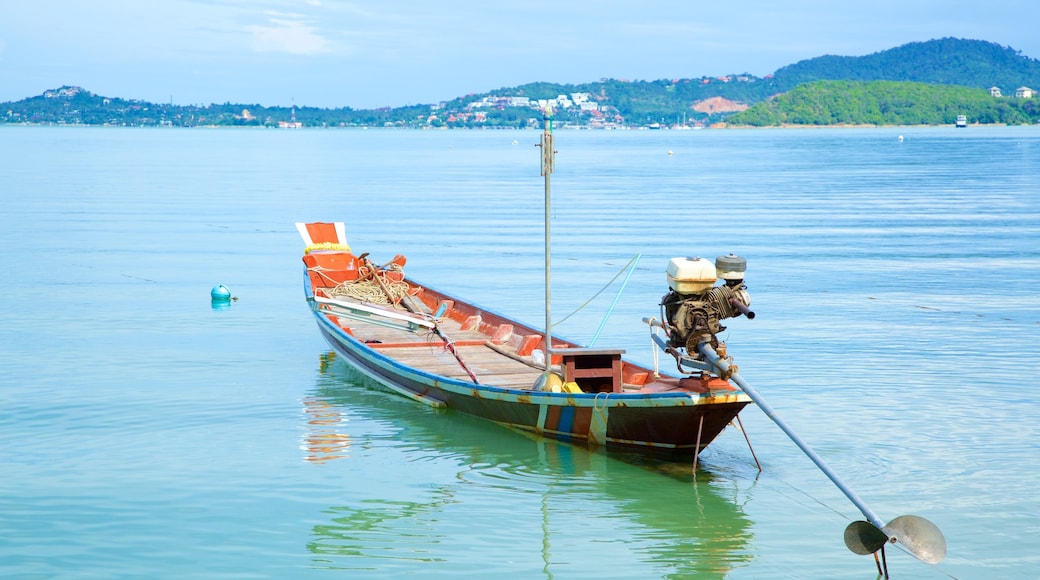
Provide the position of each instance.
(548, 162)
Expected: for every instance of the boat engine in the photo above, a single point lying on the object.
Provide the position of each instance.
(695, 306)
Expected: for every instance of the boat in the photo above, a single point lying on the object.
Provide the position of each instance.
(449, 353)
(446, 352)
(962, 121)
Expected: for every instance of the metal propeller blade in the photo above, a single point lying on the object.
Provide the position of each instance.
(919, 536)
(864, 538)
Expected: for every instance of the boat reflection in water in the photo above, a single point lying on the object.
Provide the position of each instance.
(421, 494)
(325, 440)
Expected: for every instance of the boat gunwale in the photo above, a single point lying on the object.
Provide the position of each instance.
(466, 388)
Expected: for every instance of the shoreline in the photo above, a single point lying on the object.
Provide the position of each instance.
(562, 127)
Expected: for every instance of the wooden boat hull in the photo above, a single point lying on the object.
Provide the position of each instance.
(451, 354)
(648, 422)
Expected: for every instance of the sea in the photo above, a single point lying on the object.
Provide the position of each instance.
(148, 432)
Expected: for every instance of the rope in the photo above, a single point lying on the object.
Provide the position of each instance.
(449, 345)
(613, 304)
(600, 291)
(321, 272)
(368, 290)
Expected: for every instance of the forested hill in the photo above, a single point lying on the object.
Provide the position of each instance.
(948, 61)
(612, 103)
(920, 83)
(823, 103)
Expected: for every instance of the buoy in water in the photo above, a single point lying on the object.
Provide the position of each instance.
(220, 293)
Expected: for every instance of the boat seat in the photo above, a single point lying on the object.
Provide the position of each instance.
(595, 370)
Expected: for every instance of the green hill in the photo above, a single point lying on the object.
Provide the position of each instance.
(886, 103)
(948, 61)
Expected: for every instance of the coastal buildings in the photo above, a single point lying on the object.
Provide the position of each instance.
(1020, 92)
(573, 100)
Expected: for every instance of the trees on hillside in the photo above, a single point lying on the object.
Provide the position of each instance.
(885, 103)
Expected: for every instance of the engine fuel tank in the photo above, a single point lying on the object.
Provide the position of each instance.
(691, 275)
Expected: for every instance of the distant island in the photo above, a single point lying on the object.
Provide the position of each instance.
(920, 83)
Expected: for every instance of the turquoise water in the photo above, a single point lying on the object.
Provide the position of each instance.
(148, 434)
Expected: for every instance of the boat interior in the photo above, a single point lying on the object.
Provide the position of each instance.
(425, 329)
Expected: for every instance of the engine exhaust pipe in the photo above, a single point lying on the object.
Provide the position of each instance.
(742, 308)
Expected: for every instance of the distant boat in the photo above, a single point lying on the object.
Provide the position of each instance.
(962, 121)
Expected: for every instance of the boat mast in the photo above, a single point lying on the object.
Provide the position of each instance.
(548, 159)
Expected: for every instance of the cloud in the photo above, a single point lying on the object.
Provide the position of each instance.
(288, 33)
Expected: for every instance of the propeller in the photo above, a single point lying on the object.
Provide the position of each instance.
(919, 536)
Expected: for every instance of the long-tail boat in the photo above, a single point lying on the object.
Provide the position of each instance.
(446, 352)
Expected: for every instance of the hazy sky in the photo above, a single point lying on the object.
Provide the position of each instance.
(373, 53)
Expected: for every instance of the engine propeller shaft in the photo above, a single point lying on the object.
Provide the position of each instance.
(920, 537)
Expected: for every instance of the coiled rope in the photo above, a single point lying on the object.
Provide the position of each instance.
(368, 289)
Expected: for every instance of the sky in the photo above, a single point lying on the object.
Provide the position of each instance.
(390, 53)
